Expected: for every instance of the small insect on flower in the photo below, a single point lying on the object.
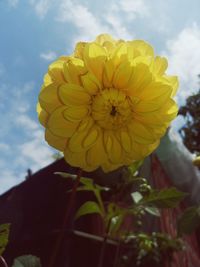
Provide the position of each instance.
(108, 104)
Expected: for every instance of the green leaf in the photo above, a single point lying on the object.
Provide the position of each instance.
(136, 196)
(116, 223)
(89, 183)
(135, 166)
(88, 207)
(4, 233)
(189, 220)
(153, 211)
(166, 198)
(66, 175)
(27, 261)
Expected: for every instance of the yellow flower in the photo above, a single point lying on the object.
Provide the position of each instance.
(108, 104)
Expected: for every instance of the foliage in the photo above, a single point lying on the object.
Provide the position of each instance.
(189, 220)
(27, 261)
(165, 198)
(142, 199)
(4, 234)
(88, 207)
(150, 248)
(190, 132)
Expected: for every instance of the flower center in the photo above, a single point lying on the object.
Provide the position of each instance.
(112, 109)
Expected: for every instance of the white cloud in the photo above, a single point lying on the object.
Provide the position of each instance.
(41, 7)
(9, 179)
(22, 138)
(82, 18)
(134, 8)
(36, 152)
(183, 53)
(117, 26)
(48, 56)
(23, 121)
(89, 24)
(112, 17)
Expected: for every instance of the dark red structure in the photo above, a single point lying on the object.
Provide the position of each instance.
(36, 207)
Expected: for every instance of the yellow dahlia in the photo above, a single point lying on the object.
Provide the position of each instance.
(108, 104)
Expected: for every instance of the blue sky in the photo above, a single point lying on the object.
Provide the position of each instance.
(34, 32)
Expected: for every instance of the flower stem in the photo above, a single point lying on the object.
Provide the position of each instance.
(103, 247)
(65, 220)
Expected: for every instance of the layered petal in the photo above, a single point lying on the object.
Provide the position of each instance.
(42, 115)
(59, 125)
(73, 95)
(55, 141)
(95, 57)
(73, 69)
(56, 72)
(90, 84)
(85, 136)
(108, 104)
(48, 98)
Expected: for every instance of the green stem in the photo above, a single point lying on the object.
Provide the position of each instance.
(103, 248)
(65, 221)
(98, 196)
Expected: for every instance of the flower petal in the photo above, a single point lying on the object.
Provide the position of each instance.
(79, 49)
(158, 119)
(47, 80)
(173, 81)
(42, 115)
(73, 69)
(141, 133)
(140, 151)
(125, 140)
(143, 47)
(90, 83)
(91, 137)
(159, 65)
(108, 73)
(78, 160)
(56, 71)
(55, 141)
(155, 90)
(119, 54)
(145, 106)
(109, 166)
(122, 75)
(76, 114)
(48, 98)
(58, 124)
(141, 77)
(95, 57)
(83, 138)
(102, 38)
(72, 94)
(96, 155)
(112, 147)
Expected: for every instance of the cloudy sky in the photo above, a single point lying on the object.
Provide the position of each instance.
(34, 32)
